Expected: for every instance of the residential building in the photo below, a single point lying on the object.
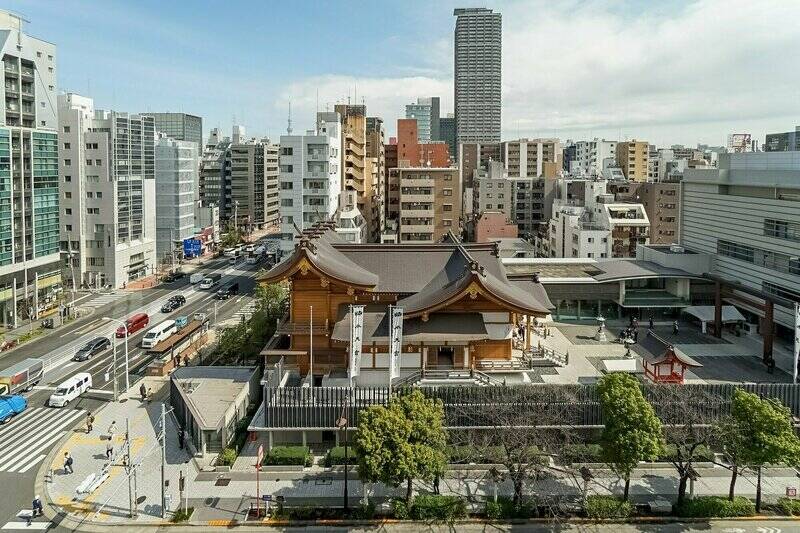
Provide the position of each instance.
(493, 191)
(447, 133)
(532, 158)
(376, 159)
(569, 154)
(741, 142)
(108, 194)
(745, 212)
(426, 113)
(783, 142)
(632, 157)
(350, 224)
(176, 173)
(477, 82)
(588, 222)
(30, 271)
(494, 225)
(473, 156)
(179, 126)
(661, 201)
(310, 177)
(426, 201)
(213, 171)
(591, 156)
(410, 152)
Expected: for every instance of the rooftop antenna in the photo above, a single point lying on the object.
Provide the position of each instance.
(289, 120)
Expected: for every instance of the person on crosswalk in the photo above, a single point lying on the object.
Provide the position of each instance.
(37, 507)
(143, 392)
(89, 422)
(68, 463)
(109, 449)
(111, 430)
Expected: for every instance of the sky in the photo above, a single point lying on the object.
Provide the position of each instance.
(669, 72)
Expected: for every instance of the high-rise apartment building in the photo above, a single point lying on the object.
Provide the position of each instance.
(107, 161)
(632, 158)
(591, 157)
(478, 57)
(426, 113)
(179, 126)
(29, 200)
(447, 134)
(240, 176)
(310, 176)
(176, 168)
(376, 158)
(426, 202)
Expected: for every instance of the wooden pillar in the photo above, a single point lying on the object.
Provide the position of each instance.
(718, 310)
(767, 333)
(527, 332)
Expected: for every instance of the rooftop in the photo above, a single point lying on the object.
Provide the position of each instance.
(210, 390)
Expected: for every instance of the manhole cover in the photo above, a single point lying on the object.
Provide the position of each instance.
(223, 482)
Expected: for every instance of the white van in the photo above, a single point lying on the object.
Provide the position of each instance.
(158, 333)
(70, 389)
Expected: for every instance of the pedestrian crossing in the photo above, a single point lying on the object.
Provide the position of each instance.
(27, 438)
(23, 525)
(244, 313)
(106, 298)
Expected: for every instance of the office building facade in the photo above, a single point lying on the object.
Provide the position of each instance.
(426, 113)
(477, 83)
(783, 142)
(107, 160)
(447, 134)
(176, 169)
(179, 126)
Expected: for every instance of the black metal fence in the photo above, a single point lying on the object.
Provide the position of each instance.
(531, 405)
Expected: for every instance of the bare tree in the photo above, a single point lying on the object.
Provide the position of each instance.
(688, 414)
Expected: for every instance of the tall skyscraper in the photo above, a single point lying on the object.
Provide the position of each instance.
(30, 269)
(179, 126)
(107, 160)
(478, 47)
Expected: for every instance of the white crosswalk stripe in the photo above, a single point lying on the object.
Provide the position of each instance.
(23, 526)
(105, 298)
(24, 441)
(246, 311)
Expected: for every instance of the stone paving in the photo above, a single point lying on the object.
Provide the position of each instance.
(111, 498)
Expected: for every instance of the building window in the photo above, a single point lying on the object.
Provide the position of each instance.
(67, 179)
(736, 251)
(66, 129)
(89, 194)
(67, 195)
(68, 227)
(287, 185)
(777, 290)
(447, 207)
(68, 211)
(287, 168)
(68, 162)
(98, 162)
(782, 229)
(287, 202)
(448, 177)
(98, 194)
(88, 162)
(447, 192)
(287, 150)
(447, 222)
(67, 146)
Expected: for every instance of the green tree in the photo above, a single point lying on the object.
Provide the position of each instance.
(401, 442)
(632, 432)
(766, 435)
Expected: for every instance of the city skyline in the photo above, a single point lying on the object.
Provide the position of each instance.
(667, 74)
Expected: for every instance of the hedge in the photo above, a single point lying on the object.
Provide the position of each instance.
(335, 456)
(288, 455)
(789, 506)
(482, 455)
(608, 507)
(227, 457)
(716, 507)
(504, 508)
(438, 508)
(701, 453)
(593, 453)
(400, 509)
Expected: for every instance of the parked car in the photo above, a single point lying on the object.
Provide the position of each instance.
(92, 348)
(133, 324)
(173, 303)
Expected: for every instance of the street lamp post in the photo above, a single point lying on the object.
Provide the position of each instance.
(127, 369)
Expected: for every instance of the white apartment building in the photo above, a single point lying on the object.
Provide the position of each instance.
(350, 224)
(590, 155)
(176, 169)
(587, 222)
(108, 219)
(310, 177)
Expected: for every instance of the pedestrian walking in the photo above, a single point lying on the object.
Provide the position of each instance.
(675, 327)
(149, 394)
(109, 450)
(181, 437)
(143, 392)
(89, 422)
(36, 506)
(185, 360)
(112, 429)
(651, 321)
(68, 463)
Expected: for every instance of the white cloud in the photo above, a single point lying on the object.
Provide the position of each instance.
(664, 72)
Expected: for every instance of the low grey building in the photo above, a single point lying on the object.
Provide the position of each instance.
(209, 402)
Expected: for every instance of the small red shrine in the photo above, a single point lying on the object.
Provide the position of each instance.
(670, 367)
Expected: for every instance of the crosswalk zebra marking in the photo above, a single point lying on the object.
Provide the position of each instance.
(24, 526)
(22, 441)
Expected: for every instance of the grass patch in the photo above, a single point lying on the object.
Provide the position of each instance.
(288, 455)
(608, 507)
(716, 507)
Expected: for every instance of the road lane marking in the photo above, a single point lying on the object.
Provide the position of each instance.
(31, 464)
(23, 526)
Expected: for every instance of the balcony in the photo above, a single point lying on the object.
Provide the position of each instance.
(355, 161)
(315, 192)
(421, 198)
(416, 228)
(355, 148)
(355, 173)
(416, 213)
(417, 182)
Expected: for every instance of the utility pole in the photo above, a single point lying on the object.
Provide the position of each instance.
(129, 467)
(311, 344)
(114, 370)
(163, 460)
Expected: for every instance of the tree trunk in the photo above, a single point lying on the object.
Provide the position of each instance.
(627, 487)
(758, 491)
(682, 488)
(408, 490)
(734, 475)
(517, 492)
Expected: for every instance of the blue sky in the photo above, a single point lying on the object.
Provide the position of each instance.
(682, 71)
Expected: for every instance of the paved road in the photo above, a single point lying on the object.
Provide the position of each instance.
(26, 440)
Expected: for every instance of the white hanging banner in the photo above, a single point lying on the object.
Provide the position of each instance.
(796, 339)
(396, 344)
(356, 338)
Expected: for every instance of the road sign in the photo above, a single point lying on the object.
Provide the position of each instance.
(791, 492)
(266, 497)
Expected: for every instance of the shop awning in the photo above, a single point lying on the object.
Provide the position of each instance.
(705, 313)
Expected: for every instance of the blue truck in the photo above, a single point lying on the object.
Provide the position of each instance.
(10, 406)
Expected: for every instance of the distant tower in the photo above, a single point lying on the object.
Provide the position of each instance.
(289, 121)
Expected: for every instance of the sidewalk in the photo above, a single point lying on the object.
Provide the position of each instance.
(111, 499)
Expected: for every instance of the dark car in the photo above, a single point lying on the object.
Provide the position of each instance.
(92, 348)
(228, 290)
(174, 276)
(173, 303)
